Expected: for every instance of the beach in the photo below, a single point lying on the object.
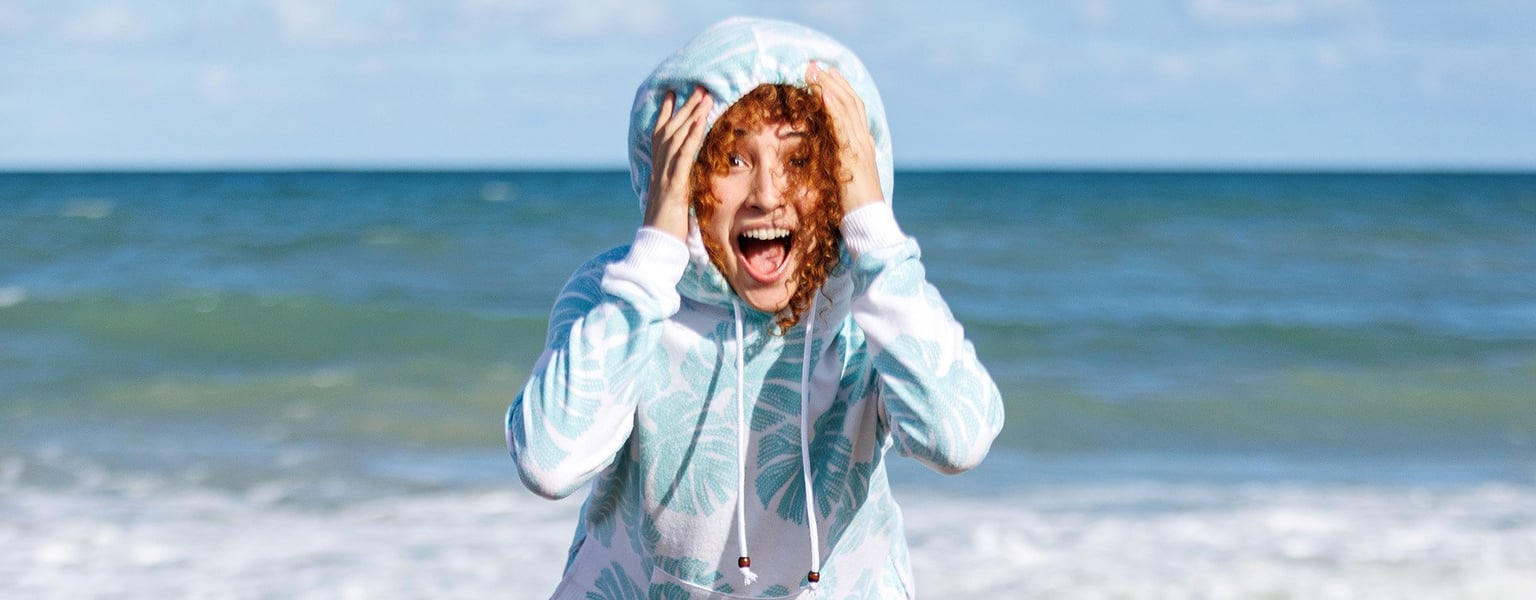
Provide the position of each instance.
(1218, 385)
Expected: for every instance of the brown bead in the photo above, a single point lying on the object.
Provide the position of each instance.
(744, 562)
(813, 577)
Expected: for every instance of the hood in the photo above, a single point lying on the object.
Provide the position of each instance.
(729, 59)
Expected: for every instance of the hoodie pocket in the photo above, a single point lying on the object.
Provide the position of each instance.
(665, 585)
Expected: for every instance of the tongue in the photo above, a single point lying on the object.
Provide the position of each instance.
(763, 257)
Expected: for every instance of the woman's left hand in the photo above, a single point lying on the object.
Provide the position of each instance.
(856, 147)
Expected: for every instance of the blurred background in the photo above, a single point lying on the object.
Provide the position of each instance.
(1257, 280)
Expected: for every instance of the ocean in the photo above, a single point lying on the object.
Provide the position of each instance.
(1218, 385)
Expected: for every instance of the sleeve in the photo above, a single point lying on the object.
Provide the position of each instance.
(578, 407)
(939, 402)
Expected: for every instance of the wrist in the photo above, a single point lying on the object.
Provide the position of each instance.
(669, 222)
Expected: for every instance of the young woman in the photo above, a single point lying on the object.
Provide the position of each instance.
(730, 383)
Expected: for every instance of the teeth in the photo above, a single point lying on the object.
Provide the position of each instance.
(766, 233)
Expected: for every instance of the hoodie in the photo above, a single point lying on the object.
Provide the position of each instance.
(725, 458)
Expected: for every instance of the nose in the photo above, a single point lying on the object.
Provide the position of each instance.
(768, 184)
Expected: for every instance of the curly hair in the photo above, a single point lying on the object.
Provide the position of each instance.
(814, 170)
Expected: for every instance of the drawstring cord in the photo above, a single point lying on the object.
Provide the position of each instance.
(744, 561)
(814, 576)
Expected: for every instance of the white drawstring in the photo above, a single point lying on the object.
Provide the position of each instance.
(743, 561)
(814, 575)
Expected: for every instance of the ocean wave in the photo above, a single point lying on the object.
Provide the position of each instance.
(251, 330)
(137, 534)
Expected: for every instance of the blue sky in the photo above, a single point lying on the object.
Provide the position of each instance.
(520, 83)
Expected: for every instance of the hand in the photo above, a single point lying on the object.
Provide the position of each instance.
(856, 147)
(674, 148)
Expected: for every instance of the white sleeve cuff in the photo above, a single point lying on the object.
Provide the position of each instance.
(871, 227)
(660, 250)
(655, 263)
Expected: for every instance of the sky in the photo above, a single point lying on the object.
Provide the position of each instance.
(1332, 84)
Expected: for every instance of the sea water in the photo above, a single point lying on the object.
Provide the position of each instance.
(293, 384)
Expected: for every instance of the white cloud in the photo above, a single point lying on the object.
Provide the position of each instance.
(12, 18)
(1173, 66)
(107, 23)
(1330, 56)
(1095, 13)
(314, 22)
(1280, 13)
(1245, 13)
(593, 18)
(844, 15)
(637, 17)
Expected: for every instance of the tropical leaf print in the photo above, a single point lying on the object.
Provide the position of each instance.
(937, 415)
(691, 436)
(689, 569)
(692, 459)
(905, 280)
(668, 591)
(778, 462)
(776, 417)
(614, 584)
(603, 509)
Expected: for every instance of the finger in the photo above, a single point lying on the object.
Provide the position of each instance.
(834, 91)
(694, 137)
(841, 88)
(665, 114)
(841, 98)
(682, 144)
(688, 112)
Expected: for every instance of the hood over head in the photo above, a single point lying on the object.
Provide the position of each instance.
(730, 59)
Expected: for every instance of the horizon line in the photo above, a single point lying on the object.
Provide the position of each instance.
(1278, 168)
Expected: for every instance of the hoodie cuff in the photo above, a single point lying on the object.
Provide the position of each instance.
(648, 275)
(871, 227)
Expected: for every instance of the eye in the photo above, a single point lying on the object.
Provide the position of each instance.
(735, 160)
(798, 161)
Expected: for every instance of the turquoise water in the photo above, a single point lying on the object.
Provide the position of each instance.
(303, 348)
(1164, 312)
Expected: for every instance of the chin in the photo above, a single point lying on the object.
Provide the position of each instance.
(768, 301)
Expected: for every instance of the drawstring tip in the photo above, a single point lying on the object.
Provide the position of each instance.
(811, 579)
(747, 576)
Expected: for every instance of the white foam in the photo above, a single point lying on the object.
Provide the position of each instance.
(1272, 540)
(89, 208)
(145, 536)
(11, 295)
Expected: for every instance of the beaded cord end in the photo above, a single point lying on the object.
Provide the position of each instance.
(747, 576)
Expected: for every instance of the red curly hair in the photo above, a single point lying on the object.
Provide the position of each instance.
(813, 170)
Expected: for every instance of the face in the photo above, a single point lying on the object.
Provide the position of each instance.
(757, 219)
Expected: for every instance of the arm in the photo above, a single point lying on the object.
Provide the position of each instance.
(941, 404)
(577, 409)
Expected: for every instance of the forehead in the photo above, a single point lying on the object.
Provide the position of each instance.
(768, 132)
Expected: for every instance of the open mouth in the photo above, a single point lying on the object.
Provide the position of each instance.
(764, 252)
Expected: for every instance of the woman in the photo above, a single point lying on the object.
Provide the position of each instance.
(731, 381)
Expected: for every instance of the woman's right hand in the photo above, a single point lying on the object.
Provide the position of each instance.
(674, 147)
